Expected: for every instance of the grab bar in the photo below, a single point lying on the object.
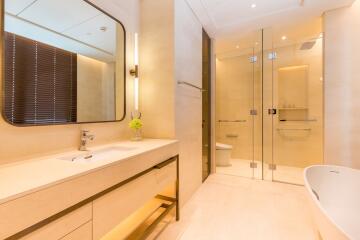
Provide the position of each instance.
(298, 120)
(294, 129)
(191, 85)
(232, 121)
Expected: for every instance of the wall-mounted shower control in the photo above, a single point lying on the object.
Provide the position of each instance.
(253, 112)
(253, 165)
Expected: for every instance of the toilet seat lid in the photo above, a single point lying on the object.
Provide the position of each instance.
(222, 146)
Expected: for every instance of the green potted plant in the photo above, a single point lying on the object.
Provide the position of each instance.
(136, 125)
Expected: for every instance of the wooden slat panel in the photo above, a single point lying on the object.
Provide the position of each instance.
(40, 82)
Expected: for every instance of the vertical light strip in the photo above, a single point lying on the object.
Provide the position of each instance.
(136, 50)
(136, 94)
(136, 80)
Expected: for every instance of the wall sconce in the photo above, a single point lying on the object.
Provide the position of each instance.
(135, 73)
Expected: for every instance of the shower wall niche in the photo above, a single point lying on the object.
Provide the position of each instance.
(293, 93)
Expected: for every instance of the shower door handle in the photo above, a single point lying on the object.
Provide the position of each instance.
(272, 111)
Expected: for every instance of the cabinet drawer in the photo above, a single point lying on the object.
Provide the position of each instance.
(82, 233)
(114, 207)
(63, 226)
(165, 174)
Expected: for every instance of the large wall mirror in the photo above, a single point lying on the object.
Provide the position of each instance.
(64, 62)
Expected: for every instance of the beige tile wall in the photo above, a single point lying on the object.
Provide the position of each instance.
(23, 143)
(95, 90)
(171, 51)
(157, 64)
(188, 101)
(342, 86)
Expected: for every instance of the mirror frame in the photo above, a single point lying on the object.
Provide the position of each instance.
(2, 49)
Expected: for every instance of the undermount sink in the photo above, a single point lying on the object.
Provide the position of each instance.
(97, 155)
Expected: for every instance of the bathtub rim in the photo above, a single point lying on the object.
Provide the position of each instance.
(317, 202)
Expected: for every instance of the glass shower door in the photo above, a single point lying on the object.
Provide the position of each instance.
(268, 104)
(238, 115)
(256, 113)
(293, 100)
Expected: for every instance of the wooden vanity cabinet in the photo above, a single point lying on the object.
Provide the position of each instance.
(96, 216)
(114, 207)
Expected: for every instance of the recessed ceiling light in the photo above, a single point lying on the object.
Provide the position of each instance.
(256, 43)
(284, 38)
(237, 46)
(253, 5)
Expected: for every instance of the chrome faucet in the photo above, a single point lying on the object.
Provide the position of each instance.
(84, 140)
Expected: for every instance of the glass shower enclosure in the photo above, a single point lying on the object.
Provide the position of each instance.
(269, 106)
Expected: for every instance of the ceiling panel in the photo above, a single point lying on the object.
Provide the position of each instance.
(90, 32)
(28, 30)
(16, 6)
(294, 33)
(224, 18)
(59, 15)
(73, 25)
(229, 12)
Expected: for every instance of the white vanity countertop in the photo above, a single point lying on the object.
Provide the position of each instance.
(29, 176)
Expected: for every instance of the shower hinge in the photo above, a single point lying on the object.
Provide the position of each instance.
(272, 56)
(253, 112)
(272, 167)
(253, 59)
(253, 165)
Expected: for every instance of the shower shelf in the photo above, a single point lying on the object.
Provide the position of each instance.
(294, 129)
(296, 108)
(232, 121)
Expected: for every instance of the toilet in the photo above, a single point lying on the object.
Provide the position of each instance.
(223, 155)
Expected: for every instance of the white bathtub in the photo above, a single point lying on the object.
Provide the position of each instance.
(334, 194)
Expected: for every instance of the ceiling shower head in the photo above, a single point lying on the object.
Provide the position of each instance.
(307, 45)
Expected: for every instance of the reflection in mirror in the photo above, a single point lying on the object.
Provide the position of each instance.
(64, 63)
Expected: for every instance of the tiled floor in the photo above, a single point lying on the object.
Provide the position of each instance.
(234, 208)
(240, 167)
